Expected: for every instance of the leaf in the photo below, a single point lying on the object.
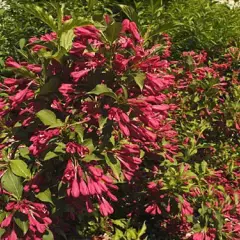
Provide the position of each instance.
(131, 233)
(114, 164)
(40, 13)
(23, 225)
(12, 184)
(72, 23)
(48, 235)
(130, 12)
(142, 230)
(50, 155)
(60, 148)
(66, 39)
(139, 79)
(22, 43)
(80, 131)
(89, 144)
(91, 157)
(112, 31)
(2, 231)
(91, 3)
(103, 89)
(2, 216)
(50, 86)
(120, 222)
(48, 118)
(204, 166)
(45, 196)
(20, 168)
(24, 152)
(102, 121)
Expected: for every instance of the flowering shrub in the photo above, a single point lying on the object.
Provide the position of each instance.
(95, 128)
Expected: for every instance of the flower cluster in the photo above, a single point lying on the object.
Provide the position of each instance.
(95, 124)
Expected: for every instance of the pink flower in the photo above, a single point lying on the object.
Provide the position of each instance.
(83, 188)
(10, 81)
(33, 40)
(134, 31)
(125, 25)
(72, 147)
(49, 37)
(75, 188)
(10, 62)
(105, 207)
(38, 47)
(198, 236)
(6, 222)
(78, 75)
(34, 68)
(153, 209)
(10, 235)
(87, 31)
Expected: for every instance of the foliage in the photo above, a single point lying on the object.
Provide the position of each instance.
(105, 135)
(203, 25)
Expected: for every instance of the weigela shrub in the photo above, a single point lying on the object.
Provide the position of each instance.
(93, 129)
(76, 123)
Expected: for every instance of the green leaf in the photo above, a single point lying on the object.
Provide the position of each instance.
(66, 39)
(131, 233)
(142, 230)
(103, 89)
(139, 79)
(50, 86)
(40, 13)
(12, 184)
(48, 118)
(22, 43)
(89, 144)
(72, 23)
(91, 157)
(120, 222)
(50, 155)
(20, 168)
(45, 196)
(130, 12)
(60, 148)
(204, 166)
(80, 131)
(23, 225)
(112, 31)
(91, 3)
(114, 164)
(24, 152)
(2, 216)
(48, 235)
(102, 121)
(2, 231)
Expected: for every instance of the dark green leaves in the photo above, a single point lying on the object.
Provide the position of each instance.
(45, 196)
(130, 12)
(22, 43)
(114, 164)
(12, 184)
(139, 79)
(48, 118)
(104, 90)
(23, 225)
(67, 39)
(112, 31)
(20, 168)
(40, 13)
(48, 235)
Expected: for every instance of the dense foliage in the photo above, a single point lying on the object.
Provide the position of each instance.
(107, 133)
(192, 25)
